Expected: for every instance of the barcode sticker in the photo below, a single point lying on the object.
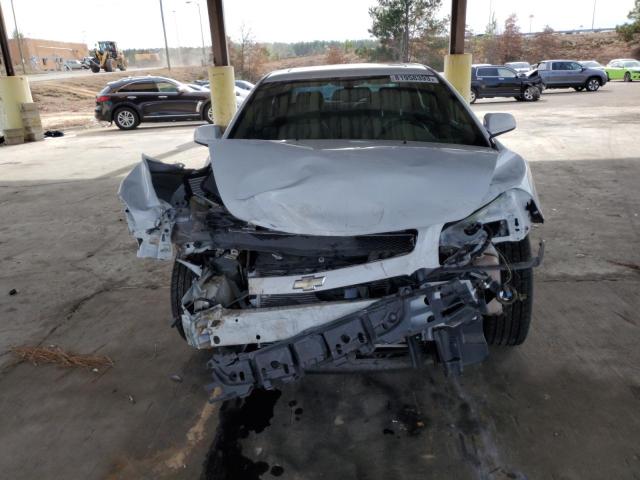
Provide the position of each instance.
(414, 77)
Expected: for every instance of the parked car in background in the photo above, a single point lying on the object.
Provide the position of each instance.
(520, 67)
(570, 74)
(591, 64)
(129, 101)
(73, 64)
(501, 81)
(241, 94)
(626, 69)
(244, 85)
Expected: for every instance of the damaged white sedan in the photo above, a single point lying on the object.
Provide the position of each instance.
(353, 217)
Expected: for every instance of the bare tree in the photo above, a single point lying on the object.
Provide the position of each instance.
(510, 43)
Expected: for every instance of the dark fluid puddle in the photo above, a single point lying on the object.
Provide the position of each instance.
(238, 418)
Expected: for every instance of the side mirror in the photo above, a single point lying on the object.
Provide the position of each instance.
(499, 123)
(207, 134)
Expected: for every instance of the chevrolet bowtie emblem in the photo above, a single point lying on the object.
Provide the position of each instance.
(308, 284)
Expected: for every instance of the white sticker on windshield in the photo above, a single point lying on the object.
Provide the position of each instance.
(414, 77)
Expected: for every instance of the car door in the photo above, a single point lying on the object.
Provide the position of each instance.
(558, 75)
(509, 81)
(615, 70)
(488, 80)
(173, 102)
(142, 93)
(574, 74)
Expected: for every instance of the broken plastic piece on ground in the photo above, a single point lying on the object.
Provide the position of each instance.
(53, 133)
(13, 291)
(57, 355)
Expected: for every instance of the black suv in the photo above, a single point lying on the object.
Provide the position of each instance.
(132, 100)
(488, 81)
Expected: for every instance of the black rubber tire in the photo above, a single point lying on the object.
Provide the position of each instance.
(474, 96)
(512, 326)
(181, 279)
(205, 113)
(532, 93)
(109, 65)
(95, 68)
(596, 86)
(120, 124)
(122, 67)
(627, 77)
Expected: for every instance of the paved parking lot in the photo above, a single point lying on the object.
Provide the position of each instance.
(563, 406)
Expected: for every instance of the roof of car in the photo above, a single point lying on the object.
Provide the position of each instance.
(623, 60)
(559, 60)
(134, 79)
(347, 70)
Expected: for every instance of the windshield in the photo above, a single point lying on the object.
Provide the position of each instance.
(519, 65)
(632, 64)
(590, 64)
(397, 107)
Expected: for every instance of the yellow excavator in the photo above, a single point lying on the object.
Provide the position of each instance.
(107, 56)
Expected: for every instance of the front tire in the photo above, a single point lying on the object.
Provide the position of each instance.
(512, 326)
(181, 280)
(207, 113)
(593, 84)
(473, 96)
(95, 68)
(530, 94)
(109, 65)
(126, 118)
(627, 77)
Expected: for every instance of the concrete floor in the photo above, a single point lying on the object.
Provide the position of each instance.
(563, 406)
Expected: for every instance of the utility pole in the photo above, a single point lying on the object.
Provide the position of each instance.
(593, 17)
(164, 30)
(530, 20)
(18, 39)
(204, 55)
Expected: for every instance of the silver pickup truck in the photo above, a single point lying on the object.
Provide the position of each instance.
(570, 74)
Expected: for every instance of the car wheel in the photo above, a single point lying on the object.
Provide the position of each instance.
(593, 84)
(126, 118)
(122, 68)
(95, 68)
(578, 89)
(207, 113)
(473, 96)
(627, 77)
(109, 65)
(512, 326)
(181, 280)
(530, 94)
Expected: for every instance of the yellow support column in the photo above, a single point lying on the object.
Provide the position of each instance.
(457, 70)
(13, 92)
(223, 94)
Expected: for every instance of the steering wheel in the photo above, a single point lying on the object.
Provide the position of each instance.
(411, 119)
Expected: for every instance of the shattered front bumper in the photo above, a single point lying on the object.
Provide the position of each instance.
(450, 314)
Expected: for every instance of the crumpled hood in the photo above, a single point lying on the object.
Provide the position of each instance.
(350, 187)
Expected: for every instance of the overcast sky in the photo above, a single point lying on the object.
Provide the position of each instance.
(136, 23)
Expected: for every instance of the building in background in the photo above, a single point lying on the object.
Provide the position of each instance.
(46, 54)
